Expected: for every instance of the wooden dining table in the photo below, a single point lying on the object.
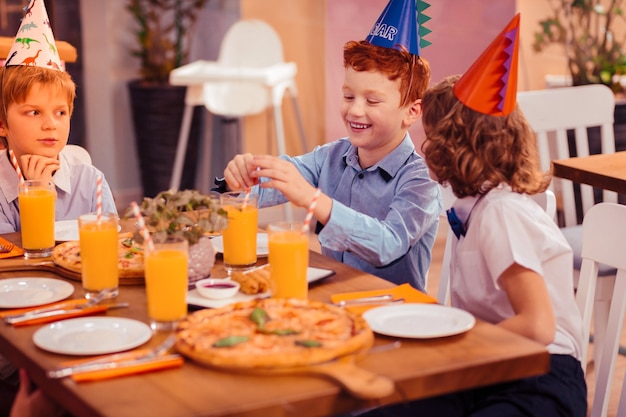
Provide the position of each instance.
(419, 368)
(604, 171)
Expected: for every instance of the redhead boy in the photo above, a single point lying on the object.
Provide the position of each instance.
(378, 207)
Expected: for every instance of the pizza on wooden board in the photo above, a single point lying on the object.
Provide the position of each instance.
(272, 333)
(130, 257)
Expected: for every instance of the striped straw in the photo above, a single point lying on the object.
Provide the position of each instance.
(16, 166)
(142, 227)
(246, 198)
(99, 197)
(309, 213)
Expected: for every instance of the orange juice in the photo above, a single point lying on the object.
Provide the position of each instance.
(289, 259)
(166, 285)
(36, 199)
(99, 253)
(240, 235)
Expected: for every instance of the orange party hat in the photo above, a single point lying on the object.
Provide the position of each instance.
(489, 86)
(34, 43)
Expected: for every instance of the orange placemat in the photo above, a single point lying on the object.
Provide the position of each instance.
(16, 251)
(405, 291)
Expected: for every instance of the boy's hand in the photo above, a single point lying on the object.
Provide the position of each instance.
(284, 177)
(238, 170)
(37, 167)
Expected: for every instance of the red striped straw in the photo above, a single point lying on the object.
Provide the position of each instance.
(246, 198)
(142, 227)
(309, 213)
(99, 197)
(16, 166)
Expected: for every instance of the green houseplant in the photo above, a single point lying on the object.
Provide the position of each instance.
(592, 33)
(189, 214)
(163, 32)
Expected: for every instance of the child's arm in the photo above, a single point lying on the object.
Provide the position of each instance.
(528, 294)
(37, 167)
(285, 177)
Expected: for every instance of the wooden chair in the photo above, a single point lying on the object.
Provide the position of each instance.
(552, 113)
(603, 229)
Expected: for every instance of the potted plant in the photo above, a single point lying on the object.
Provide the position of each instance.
(189, 214)
(586, 29)
(164, 29)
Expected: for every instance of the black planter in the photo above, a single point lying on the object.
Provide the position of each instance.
(157, 116)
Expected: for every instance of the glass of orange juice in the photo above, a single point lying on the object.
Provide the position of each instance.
(99, 253)
(166, 282)
(288, 259)
(37, 200)
(240, 235)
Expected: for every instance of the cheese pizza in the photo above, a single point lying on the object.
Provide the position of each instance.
(130, 257)
(272, 333)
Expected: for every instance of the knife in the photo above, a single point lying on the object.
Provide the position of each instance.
(48, 316)
(376, 299)
(113, 365)
(122, 358)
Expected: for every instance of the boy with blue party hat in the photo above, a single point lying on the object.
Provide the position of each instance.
(378, 210)
(37, 97)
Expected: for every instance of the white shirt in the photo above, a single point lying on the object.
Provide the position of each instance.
(505, 227)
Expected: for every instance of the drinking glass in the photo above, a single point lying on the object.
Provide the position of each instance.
(99, 253)
(166, 282)
(288, 259)
(240, 235)
(37, 200)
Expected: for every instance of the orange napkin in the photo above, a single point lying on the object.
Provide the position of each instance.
(410, 295)
(162, 362)
(16, 251)
(80, 313)
(57, 305)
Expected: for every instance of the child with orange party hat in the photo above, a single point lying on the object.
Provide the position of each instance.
(510, 264)
(37, 99)
(378, 206)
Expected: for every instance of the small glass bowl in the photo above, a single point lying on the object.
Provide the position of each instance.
(217, 288)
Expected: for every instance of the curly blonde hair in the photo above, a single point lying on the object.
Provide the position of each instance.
(475, 152)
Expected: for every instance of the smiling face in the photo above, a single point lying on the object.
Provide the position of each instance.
(40, 124)
(371, 111)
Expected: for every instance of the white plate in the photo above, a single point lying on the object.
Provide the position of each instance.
(65, 230)
(262, 248)
(92, 335)
(194, 297)
(30, 292)
(419, 321)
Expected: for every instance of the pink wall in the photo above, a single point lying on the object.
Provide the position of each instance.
(456, 41)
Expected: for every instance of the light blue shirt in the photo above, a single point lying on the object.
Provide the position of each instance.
(384, 218)
(75, 186)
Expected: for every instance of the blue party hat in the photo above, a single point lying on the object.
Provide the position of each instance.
(401, 25)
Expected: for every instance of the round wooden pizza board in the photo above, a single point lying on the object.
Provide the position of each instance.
(357, 381)
(47, 264)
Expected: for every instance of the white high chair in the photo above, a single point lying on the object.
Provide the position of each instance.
(249, 76)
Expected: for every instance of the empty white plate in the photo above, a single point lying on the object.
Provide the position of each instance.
(419, 321)
(262, 248)
(31, 292)
(92, 335)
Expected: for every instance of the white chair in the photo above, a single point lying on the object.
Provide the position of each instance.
(551, 113)
(546, 200)
(249, 77)
(604, 228)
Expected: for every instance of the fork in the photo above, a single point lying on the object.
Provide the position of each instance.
(6, 247)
